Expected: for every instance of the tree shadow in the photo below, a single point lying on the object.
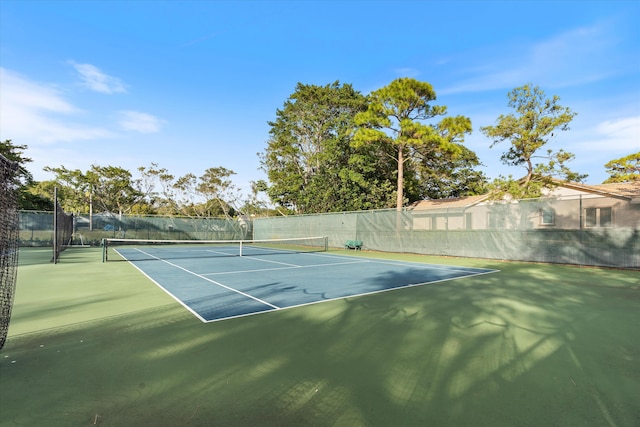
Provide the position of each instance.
(527, 346)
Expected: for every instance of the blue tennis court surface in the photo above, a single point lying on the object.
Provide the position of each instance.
(222, 287)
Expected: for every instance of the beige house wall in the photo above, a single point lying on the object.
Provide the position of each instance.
(569, 211)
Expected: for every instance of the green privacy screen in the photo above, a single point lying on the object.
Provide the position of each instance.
(36, 228)
(597, 231)
(583, 230)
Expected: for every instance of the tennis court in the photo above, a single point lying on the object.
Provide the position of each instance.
(224, 280)
(95, 343)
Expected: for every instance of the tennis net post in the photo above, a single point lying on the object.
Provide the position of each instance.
(62, 228)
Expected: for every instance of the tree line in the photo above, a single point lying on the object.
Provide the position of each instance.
(331, 149)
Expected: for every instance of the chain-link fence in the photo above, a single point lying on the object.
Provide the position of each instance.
(8, 242)
(584, 230)
(36, 228)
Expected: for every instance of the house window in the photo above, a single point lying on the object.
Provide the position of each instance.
(434, 223)
(548, 216)
(605, 217)
(590, 216)
(598, 217)
(495, 220)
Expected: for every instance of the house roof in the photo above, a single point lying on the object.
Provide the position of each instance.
(627, 190)
(618, 189)
(630, 189)
(452, 202)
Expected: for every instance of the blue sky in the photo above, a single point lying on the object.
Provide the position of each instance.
(192, 84)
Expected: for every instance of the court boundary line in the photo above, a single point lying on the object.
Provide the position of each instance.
(490, 271)
(182, 303)
(276, 308)
(400, 262)
(269, 261)
(209, 280)
(286, 266)
(343, 257)
(435, 266)
(220, 253)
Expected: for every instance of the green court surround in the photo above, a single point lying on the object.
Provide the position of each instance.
(94, 343)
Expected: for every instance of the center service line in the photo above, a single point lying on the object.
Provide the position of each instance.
(209, 280)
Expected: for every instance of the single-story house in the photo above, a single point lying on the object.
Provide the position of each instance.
(567, 206)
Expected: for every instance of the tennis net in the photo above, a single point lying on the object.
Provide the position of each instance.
(141, 249)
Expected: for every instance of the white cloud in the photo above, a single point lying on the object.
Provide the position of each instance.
(19, 92)
(625, 129)
(94, 79)
(575, 57)
(37, 113)
(580, 56)
(139, 122)
(616, 136)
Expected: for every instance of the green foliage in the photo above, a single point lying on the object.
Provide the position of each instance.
(15, 153)
(624, 169)
(74, 188)
(395, 117)
(309, 159)
(394, 113)
(254, 205)
(27, 199)
(449, 173)
(442, 175)
(114, 189)
(218, 191)
(157, 184)
(211, 194)
(534, 123)
(101, 188)
(511, 188)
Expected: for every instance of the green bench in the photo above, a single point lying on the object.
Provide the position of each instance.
(353, 244)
